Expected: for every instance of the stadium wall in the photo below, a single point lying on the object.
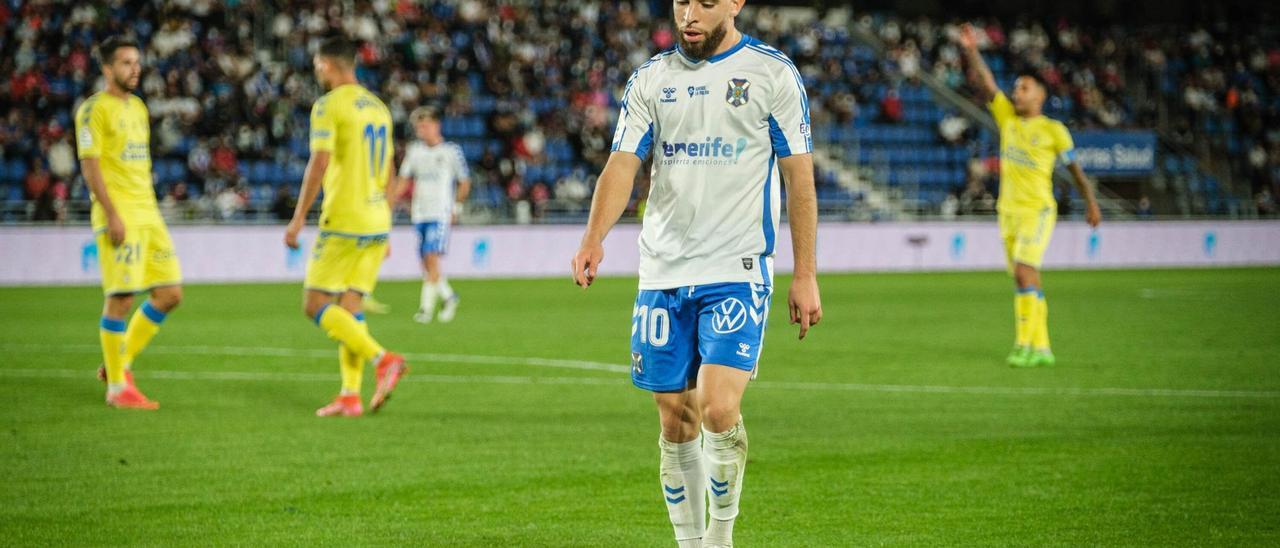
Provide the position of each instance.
(69, 256)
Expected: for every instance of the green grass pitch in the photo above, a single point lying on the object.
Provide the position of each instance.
(895, 423)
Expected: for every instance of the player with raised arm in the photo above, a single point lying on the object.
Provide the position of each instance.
(351, 158)
(434, 166)
(723, 116)
(1030, 144)
(113, 134)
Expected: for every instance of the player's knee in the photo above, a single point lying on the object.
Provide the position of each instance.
(167, 298)
(679, 421)
(719, 416)
(1025, 276)
(311, 308)
(117, 306)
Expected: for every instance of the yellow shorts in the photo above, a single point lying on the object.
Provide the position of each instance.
(341, 263)
(145, 259)
(1026, 235)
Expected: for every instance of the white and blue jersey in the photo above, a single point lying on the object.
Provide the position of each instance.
(715, 129)
(435, 170)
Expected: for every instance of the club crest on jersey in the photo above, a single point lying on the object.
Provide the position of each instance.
(748, 263)
(737, 94)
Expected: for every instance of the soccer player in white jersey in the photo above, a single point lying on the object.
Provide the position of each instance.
(723, 116)
(434, 166)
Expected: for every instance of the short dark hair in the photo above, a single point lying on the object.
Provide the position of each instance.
(107, 49)
(1044, 84)
(339, 48)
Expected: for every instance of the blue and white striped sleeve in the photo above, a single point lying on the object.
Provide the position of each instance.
(635, 121)
(789, 129)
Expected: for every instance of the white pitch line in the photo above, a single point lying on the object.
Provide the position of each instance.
(569, 364)
(306, 353)
(259, 376)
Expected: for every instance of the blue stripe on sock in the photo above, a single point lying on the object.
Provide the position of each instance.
(156, 316)
(320, 313)
(1026, 290)
(1040, 293)
(359, 316)
(113, 325)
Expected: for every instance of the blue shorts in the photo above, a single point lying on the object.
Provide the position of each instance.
(433, 238)
(675, 331)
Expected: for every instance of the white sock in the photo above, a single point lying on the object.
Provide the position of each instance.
(683, 488)
(446, 291)
(726, 461)
(114, 388)
(428, 303)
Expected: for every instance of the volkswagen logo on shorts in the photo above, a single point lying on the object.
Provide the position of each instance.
(728, 316)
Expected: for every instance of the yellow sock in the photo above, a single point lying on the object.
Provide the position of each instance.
(142, 327)
(1024, 304)
(341, 326)
(351, 365)
(1040, 323)
(111, 333)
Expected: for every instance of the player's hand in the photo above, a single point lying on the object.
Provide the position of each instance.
(586, 263)
(115, 229)
(805, 304)
(1093, 215)
(968, 37)
(291, 234)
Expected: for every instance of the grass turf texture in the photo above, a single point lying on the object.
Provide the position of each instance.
(503, 454)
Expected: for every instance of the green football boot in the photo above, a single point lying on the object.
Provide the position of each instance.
(1042, 358)
(1020, 357)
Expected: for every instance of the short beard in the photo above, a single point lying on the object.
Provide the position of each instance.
(123, 83)
(706, 47)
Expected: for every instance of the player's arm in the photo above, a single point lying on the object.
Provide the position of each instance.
(89, 131)
(98, 186)
(976, 69)
(632, 141)
(323, 142)
(464, 183)
(312, 180)
(804, 299)
(1065, 147)
(1093, 213)
(398, 184)
(88, 140)
(613, 192)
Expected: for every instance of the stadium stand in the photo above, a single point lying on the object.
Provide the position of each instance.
(529, 91)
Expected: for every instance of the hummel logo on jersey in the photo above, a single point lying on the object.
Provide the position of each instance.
(744, 350)
(737, 94)
(728, 316)
(668, 95)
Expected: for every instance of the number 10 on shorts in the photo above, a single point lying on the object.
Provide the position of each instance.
(653, 325)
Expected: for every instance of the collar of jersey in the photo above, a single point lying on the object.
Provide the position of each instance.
(719, 57)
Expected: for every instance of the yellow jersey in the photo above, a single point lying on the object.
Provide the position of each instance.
(355, 127)
(1029, 147)
(118, 133)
